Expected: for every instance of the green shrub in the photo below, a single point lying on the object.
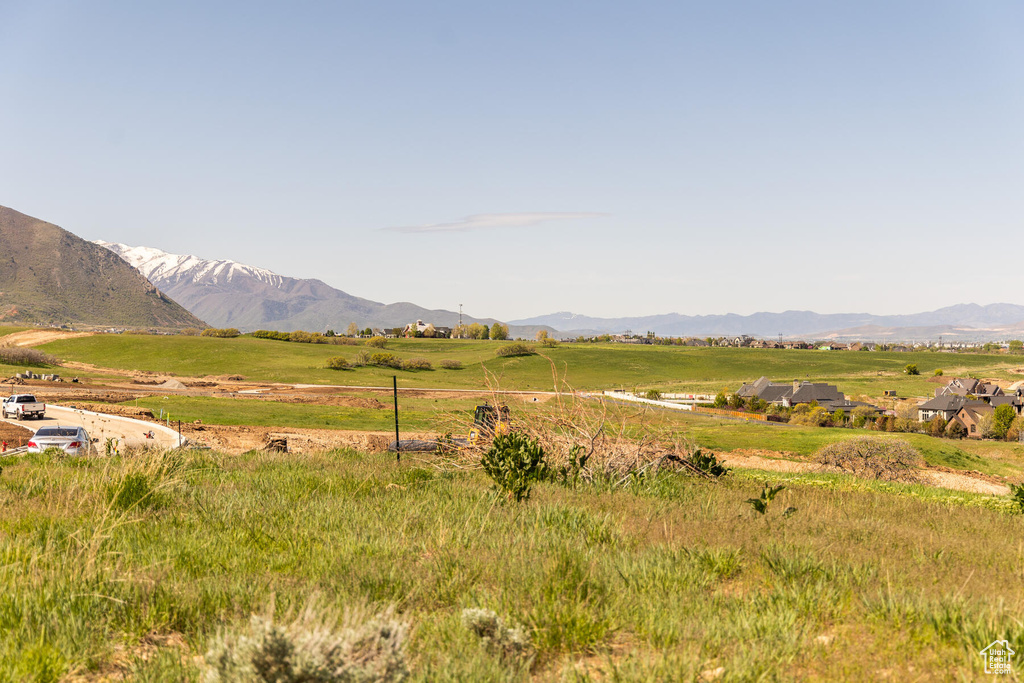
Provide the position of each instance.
(272, 334)
(225, 332)
(514, 462)
(377, 342)
(911, 369)
(337, 363)
(449, 364)
(938, 373)
(416, 364)
(516, 349)
(653, 395)
(385, 360)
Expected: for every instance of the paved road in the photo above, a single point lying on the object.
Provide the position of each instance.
(127, 431)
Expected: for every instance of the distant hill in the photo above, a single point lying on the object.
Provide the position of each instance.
(50, 276)
(230, 294)
(963, 321)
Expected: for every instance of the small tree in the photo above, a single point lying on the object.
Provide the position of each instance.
(429, 330)
(499, 332)
(541, 335)
(736, 402)
(911, 369)
(720, 400)
(514, 462)
(955, 430)
(1001, 420)
(352, 330)
(937, 425)
(485, 332)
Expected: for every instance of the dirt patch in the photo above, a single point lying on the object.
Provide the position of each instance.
(121, 411)
(14, 435)
(36, 337)
(238, 439)
(943, 477)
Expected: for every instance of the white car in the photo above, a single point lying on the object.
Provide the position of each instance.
(71, 440)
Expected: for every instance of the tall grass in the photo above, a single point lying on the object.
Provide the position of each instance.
(660, 580)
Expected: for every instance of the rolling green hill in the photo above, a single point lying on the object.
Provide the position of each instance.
(50, 276)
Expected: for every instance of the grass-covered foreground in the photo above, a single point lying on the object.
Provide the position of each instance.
(113, 567)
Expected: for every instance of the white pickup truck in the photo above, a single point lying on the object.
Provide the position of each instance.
(21, 406)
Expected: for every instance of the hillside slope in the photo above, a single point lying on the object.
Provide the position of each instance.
(230, 294)
(50, 276)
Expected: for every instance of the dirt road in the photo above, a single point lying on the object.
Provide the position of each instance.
(127, 431)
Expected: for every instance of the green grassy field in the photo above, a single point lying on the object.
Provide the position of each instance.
(414, 413)
(659, 581)
(11, 329)
(583, 366)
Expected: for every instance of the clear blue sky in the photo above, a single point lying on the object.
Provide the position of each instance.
(528, 157)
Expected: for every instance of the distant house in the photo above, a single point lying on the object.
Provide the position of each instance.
(971, 415)
(968, 386)
(790, 395)
(1015, 400)
(946, 406)
(426, 329)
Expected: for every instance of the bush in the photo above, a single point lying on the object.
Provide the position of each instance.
(385, 360)
(505, 641)
(873, 458)
(17, 355)
(313, 649)
(377, 342)
(449, 364)
(911, 369)
(937, 426)
(514, 462)
(516, 349)
(720, 400)
(938, 373)
(653, 395)
(499, 332)
(549, 343)
(189, 332)
(955, 430)
(362, 358)
(272, 334)
(225, 332)
(1013, 433)
(417, 364)
(337, 363)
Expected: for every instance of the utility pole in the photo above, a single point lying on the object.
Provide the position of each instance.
(460, 319)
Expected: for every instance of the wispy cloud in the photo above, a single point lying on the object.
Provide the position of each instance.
(487, 221)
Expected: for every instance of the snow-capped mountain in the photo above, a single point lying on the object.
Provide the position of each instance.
(231, 294)
(157, 265)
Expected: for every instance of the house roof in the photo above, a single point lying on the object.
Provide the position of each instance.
(944, 403)
(775, 392)
(754, 388)
(808, 392)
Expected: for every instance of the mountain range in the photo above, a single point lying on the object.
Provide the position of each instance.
(229, 294)
(963, 322)
(50, 276)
